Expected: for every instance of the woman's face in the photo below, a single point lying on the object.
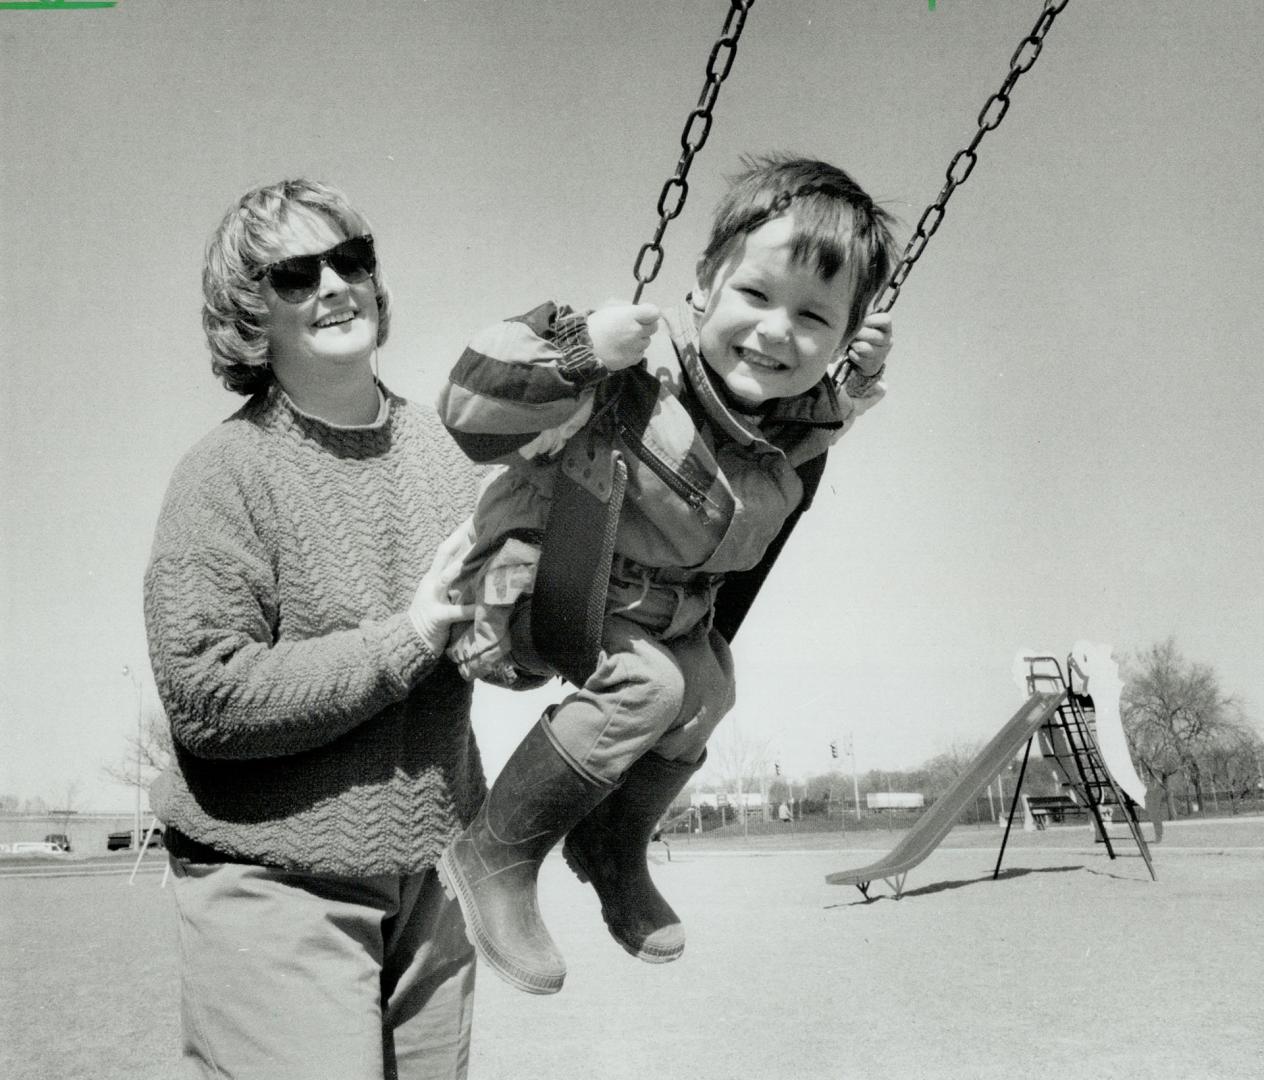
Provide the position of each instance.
(329, 337)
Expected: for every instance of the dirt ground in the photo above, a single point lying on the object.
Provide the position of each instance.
(1069, 966)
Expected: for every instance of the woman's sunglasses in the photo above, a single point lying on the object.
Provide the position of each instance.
(297, 278)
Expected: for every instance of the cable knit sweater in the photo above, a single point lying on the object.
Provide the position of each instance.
(313, 728)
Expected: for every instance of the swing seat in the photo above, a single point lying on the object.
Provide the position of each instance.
(569, 606)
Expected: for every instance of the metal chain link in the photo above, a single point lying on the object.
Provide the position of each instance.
(963, 162)
(671, 200)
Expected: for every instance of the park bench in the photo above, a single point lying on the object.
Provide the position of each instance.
(1046, 808)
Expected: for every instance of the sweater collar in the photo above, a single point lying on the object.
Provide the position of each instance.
(277, 399)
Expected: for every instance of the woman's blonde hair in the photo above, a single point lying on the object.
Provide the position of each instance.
(233, 312)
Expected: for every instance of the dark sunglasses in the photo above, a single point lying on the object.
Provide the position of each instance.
(297, 278)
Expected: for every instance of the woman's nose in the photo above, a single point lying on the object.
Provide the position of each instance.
(330, 283)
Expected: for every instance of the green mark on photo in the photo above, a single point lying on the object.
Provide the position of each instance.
(56, 5)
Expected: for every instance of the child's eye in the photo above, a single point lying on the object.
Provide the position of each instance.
(752, 292)
(814, 316)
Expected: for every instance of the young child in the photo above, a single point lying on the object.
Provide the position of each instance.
(718, 420)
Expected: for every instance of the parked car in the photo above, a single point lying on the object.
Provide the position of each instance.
(122, 841)
(59, 840)
(34, 847)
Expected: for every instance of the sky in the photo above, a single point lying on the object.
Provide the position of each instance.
(1069, 448)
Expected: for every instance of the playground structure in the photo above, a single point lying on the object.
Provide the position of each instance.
(1073, 726)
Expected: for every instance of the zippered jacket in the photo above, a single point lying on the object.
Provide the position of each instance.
(709, 489)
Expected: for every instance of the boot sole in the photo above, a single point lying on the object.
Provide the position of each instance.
(457, 888)
(648, 954)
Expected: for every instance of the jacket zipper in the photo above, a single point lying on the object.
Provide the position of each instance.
(678, 484)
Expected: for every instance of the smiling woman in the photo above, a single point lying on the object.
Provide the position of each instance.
(323, 753)
(322, 323)
(286, 264)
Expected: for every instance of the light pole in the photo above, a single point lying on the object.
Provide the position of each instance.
(855, 783)
(130, 674)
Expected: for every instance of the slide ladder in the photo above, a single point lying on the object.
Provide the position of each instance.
(1068, 739)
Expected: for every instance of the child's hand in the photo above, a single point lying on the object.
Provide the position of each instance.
(868, 349)
(621, 332)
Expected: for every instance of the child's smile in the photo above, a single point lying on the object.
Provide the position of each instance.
(758, 359)
(771, 324)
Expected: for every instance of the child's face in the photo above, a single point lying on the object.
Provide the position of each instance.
(771, 326)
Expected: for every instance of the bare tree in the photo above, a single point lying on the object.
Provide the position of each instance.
(740, 761)
(1175, 714)
(155, 753)
(943, 769)
(1232, 764)
(69, 804)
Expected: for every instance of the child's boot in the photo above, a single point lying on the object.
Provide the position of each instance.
(609, 846)
(491, 867)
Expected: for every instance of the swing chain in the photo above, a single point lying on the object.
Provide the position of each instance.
(959, 169)
(671, 200)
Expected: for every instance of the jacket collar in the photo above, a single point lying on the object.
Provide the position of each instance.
(818, 407)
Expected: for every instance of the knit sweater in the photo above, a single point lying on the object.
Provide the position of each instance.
(313, 727)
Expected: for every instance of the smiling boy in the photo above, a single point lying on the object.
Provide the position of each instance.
(716, 420)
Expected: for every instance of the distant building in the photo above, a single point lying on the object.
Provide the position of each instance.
(895, 800)
(752, 800)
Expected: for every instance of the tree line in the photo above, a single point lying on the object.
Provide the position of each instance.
(1191, 741)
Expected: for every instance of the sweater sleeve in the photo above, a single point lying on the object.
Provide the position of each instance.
(523, 386)
(231, 685)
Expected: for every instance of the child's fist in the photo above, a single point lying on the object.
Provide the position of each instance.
(621, 332)
(868, 349)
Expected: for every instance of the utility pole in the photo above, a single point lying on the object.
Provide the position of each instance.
(135, 679)
(855, 783)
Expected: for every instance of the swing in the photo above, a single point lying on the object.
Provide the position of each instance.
(568, 608)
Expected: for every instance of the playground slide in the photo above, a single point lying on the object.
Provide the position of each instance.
(934, 824)
(1094, 672)
(1103, 684)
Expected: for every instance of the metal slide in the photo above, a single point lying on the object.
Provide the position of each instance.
(934, 824)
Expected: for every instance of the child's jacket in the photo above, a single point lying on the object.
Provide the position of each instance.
(708, 489)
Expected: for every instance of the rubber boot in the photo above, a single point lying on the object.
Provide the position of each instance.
(608, 849)
(490, 869)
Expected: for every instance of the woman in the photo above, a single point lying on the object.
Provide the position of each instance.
(323, 748)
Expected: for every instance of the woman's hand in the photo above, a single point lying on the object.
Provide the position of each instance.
(431, 611)
(868, 349)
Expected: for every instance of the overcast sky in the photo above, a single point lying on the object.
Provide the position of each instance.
(1069, 448)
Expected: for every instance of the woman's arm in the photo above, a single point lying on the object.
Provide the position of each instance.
(232, 685)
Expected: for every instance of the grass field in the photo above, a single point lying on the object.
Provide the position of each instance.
(1070, 966)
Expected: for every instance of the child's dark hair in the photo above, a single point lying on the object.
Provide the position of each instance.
(837, 225)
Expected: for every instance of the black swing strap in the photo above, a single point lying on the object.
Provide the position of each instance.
(569, 602)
